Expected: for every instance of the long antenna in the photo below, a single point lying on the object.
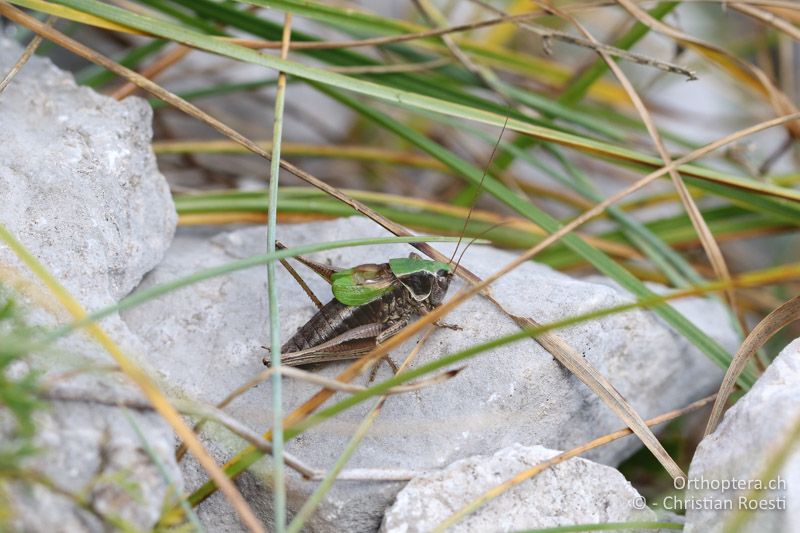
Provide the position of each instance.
(476, 238)
(478, 190)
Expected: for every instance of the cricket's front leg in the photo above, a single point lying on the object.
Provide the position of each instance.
(422, 311)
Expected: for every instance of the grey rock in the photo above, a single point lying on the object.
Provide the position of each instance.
(79, 181)
(93, 451)
(206, 340)
(749, 436)
(80, 189)
(576, 491)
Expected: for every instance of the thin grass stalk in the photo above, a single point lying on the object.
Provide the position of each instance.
(26, 55)
(278, 472)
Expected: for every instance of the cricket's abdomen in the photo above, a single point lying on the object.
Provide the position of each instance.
(336, 318)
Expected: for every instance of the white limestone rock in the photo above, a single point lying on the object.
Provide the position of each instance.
(576, 491)
(747, 438)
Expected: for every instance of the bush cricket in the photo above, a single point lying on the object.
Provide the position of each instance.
(371, 303)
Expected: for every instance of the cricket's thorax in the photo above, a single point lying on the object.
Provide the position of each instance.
(394, 307)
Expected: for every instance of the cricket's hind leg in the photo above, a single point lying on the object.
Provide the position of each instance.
(385, 359)
(385, 334)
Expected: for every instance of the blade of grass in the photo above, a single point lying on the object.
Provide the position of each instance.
(278, 473)
(771, 324)
(23, 58)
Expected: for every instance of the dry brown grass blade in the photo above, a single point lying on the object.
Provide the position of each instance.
(707, 239)
(545, 32)
(782, 6)
(769, 18)
(380, 41)
(154, 69)
(23, 58)
(792, 14)
(548, 34)
(772, 323)
(560, 458)
(742, 70)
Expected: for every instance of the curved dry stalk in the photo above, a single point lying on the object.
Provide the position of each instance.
(771, 324)
(379, 41)
(560, 458)
(789, 5)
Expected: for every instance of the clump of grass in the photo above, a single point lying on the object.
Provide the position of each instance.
(19, 399)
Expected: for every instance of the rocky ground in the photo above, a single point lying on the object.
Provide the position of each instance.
(81, 190)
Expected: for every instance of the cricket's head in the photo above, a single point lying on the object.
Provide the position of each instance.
(426, 280)
(440, 285)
